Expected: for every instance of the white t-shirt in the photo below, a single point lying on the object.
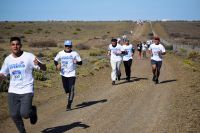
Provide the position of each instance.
(144, 47)
(20, 70)
(149, 42)
(115, 52)
(129, 49)
(68, 67)
(156, 51)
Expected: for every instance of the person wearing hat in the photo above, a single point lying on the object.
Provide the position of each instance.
(20, 65)
(115, 53)
(66, 61)
(127, 58)
(156, 51)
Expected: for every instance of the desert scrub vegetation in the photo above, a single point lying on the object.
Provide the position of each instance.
(169, 47)
(41, 44)
(82, 47)
(97, 53)
(4, 84)
(195, 56)
(39, 75)
(192, 61)
(28, 32)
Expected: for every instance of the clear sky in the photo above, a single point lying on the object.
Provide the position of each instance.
(95, 10)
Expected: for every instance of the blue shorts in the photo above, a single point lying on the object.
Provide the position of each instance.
(157, 63)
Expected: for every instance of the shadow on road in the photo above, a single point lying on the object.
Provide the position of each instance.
(167, 81)
(90, 103)
(64, 128)
(133, 79)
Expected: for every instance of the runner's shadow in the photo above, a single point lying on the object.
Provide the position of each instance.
(64, 128)
(133, 79)
(90, 103)
(167, 81)
(130, 78)
(138, 79)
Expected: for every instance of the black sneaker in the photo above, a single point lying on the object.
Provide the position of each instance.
(69, 106)
(33, 115)
(113, 82)
(128, 79)
(156, 81)
(154, 78)
(118, 78)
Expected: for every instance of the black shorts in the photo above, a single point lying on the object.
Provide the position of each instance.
(157, 63)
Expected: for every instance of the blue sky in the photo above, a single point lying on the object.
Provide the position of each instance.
(95, 10)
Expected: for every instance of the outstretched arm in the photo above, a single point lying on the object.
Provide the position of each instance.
(41, 65)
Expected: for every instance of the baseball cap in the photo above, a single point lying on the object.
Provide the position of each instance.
(68, 43)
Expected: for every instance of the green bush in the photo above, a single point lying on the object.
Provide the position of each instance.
(96, 53)
(4, 84)
(29, 32)
(75, 33)
(193, 54)
(182, 50)
(169, 47)
(51, 68)
(40, 75)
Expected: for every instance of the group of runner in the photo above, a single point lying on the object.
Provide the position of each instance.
(20, 65)
(124, 51)
(142, 48)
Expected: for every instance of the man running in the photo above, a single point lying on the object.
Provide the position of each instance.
(127, 58)
(139, 48)
(156, 50)
(66, 61)
(115, 53)
(144, 49)
(19, 65)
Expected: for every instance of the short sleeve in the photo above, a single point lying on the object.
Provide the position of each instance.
(163, 49)
(109, 48)
(57, 57)
(150, 47)
(77, 57)
(4, 68)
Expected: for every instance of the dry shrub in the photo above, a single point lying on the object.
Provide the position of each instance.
(82, 47)
(40, 44)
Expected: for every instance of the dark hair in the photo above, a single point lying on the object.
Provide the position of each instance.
(126, 40)
(113, 40)
(15, 39)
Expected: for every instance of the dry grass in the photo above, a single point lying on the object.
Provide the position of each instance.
(180, 31)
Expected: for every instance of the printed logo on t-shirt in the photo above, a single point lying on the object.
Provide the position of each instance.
(17, 65)
(17, 75)
(17, 71)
